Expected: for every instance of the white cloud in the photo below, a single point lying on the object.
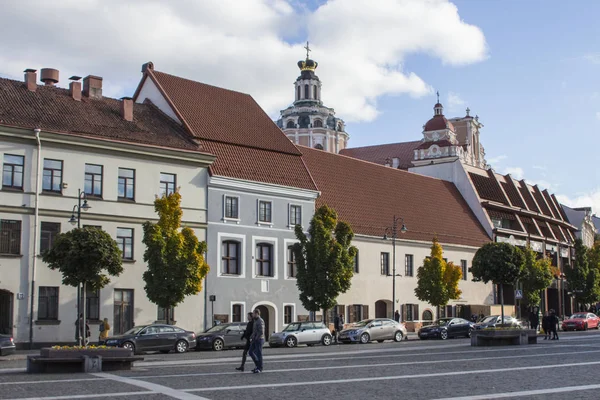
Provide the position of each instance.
(515, 172)
(497, 159)
(598, 115)
(455, 102)
(540, 167)
(589, 199)
(594, 58)
(241, 45)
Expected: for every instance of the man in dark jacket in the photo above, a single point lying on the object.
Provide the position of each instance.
(246, 335)
(546, 326)
(553, 324)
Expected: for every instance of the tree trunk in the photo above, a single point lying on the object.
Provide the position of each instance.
(168, 315)
(502, 302)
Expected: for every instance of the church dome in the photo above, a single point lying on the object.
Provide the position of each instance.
(438, 122)
(307, 65)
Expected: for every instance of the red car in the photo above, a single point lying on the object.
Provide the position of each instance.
(581, 321)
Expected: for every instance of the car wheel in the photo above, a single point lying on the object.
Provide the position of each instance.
(444, 335)
(365, 338)
(398, 336)
(129, 346)
(291, 341)
(218, 345)
(469, 333)
(165, 351)
(181, 346)
(326, 340)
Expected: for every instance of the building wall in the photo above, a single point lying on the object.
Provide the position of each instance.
(248, 289)
(108, 212)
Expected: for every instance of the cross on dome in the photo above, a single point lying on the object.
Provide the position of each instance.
(307, 49)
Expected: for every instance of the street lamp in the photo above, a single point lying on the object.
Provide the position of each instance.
(76, 219)
(392, 232)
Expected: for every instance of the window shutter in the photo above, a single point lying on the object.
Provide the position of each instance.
(403, 308)
(416, 315)
(342, 310)
(351, 314)
(365, 310)
(449, 311)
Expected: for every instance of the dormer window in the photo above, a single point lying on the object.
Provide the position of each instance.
(318, 123)
(290, 124)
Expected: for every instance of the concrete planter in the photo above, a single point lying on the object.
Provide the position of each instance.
(503, 337)
(104, 353)
(81, 360)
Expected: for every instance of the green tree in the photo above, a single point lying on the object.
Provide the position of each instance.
(535, 277)
(583, 276)
(499, 263)
(175, 256)
(437, 280)
(324, 260)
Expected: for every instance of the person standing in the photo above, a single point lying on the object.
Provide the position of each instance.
(247, 335)
(397, 316)
(104, 328)
(336, 327)
(257, 341)
(79, 330)
(553, 325)
(546, 326)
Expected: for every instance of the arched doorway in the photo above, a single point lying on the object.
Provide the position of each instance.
(6, 312)
(383, 309)
(427, 317)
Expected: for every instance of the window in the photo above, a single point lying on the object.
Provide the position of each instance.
(230, 258)
(126, 184)
(12, 172)
(463, 267)
(356, 267)
(93, 180)
(409, 265)
(10, 237)
(264, 211)
(306, 92)
(52, 176)
(290, 124)
(356, 313)
(264, 265)
(385, 263)
(125, 242)
(319, 146)
(318, 123)
(314, 91)
(299, 94)
(48, 233)
(92, 304)
(295, 215)
(231, 207)
(48, 303)
(291, 262)
(162, 314)
(288, 314)
(167, 184)
(236, 313)
(410, 316)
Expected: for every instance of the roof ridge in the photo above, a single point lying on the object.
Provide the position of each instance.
(200, 83)
(383, 144)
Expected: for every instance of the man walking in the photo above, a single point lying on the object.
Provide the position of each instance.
(553, 324)
(546, 326)
(247, 335)
(257, 341)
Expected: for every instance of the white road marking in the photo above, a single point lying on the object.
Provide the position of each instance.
(388, 378)
(51, 381)
(11, 370)
(525, 393)
(85, 396)
(153, 387)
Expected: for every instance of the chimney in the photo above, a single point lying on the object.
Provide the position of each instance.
(30, 79)
(75, 88)
(92, 86)
(49, 76)
(127, 108)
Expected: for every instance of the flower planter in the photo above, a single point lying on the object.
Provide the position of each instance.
(49, 352)
(503, 337)
(81, 359)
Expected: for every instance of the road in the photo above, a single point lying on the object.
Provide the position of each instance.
(448, 370)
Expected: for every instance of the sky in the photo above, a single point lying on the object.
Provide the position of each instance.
(529, 69)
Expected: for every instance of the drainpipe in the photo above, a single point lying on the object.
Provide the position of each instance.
(35, 232)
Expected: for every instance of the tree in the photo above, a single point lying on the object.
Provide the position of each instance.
(500, 263)
(583, 277)
(175, 256)
(437, 280)
(535, 277)
(324, 260)
(85, 256)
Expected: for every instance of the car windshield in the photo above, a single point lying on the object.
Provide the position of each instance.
(490, 319)
(292, 327)
(442, 321)
(578, 316)
(217, 328)
(134, 330)
(362, 323)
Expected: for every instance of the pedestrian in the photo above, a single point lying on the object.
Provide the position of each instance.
(88, 333)
(104, 328)
(474, 318)
(79, 330)
(336, 327)
(397, 316)
(257, 341)
(247, 335)
(339, 328)
(553, 324)
(481, 317)
(546, 325)
(534, 320)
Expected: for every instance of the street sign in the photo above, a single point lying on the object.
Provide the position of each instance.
(518, 294)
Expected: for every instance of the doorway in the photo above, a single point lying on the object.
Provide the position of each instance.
(264, 314)
(381, 309)
(123, 311)
(6, 312)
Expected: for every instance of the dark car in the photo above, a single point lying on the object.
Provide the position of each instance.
(493, 320)
(7, 345)
(445, 328)
(163, 338)
(223, 336)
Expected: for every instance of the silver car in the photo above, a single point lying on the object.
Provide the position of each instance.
(378, 329)
(309, 333)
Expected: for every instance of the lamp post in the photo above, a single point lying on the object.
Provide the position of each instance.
(392, 232)
(76, 219)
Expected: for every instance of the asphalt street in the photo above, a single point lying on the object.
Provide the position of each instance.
(414, 369)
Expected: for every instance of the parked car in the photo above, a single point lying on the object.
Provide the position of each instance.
(309, 333)
(581, 321)
(163, 338)
(493, 320)
(445, 328)
(7, 345)
(378, 329)
(223, 336)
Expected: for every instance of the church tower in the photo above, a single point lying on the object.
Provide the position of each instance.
(307, 121)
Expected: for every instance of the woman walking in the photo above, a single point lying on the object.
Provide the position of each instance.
(104, 328)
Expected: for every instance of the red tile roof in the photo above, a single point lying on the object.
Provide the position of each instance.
(367, 196)
(378, 154)
(53, 109)
(539, 198)
(526, 193)
(512, 192)
(222, 115)
(437, 123)
(440, 143)
(487, 188)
